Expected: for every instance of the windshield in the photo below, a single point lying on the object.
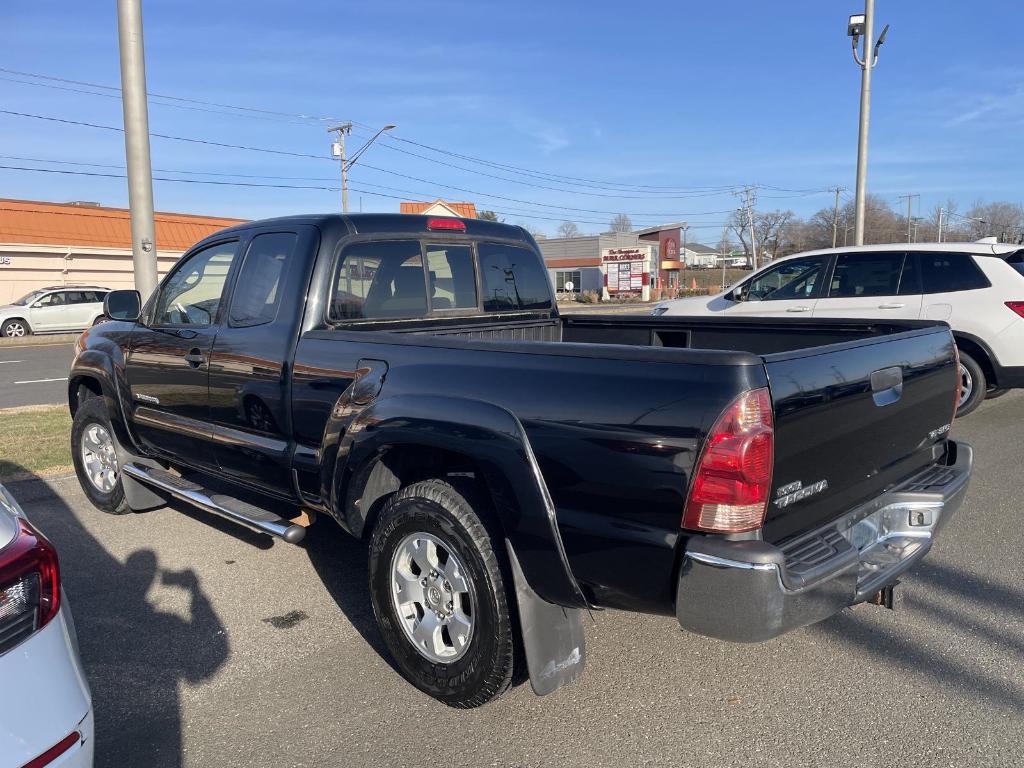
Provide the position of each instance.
(28, 298)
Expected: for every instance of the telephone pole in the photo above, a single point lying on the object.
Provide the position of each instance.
(909, 199)
(136, 144)
(338, 150)
(835, 216)
(864, 25)
(749, 200)
(942, 212)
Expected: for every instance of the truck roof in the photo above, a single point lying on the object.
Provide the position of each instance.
(399, 223)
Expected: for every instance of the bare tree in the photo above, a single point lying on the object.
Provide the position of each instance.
(737, 224)
(1000, 219)
(537, 234)
(568, 229)
(768, 228)
(621, 223)
(488, 216)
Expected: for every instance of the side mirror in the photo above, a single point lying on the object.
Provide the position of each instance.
(123, 305)
(739, 293)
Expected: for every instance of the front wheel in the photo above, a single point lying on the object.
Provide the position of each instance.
(440, 596)
(973, 385)
(94, 453)
(15, 328)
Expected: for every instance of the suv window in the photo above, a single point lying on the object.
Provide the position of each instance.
(793, 279)
(866, 274)
(452, 278)
(379, 280)
(512, 278)
(75, 297)
(1016, 260)
(55, 299)
(257, 292)
(193, 292)
(947, 272)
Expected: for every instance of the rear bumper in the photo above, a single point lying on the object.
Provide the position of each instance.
(749, 591)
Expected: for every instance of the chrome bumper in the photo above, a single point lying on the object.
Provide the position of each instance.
(749, 591)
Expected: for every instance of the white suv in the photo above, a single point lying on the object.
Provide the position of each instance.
(978, 288)
(53, 310)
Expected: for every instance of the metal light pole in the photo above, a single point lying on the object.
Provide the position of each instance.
(338, 150)
(136, 144)
(864, 25)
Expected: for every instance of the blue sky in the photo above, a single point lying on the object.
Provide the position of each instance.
(692, 97)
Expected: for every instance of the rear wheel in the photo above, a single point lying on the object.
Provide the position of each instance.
(94, 453)
(973, 384)
(15, 328)
(439, 593)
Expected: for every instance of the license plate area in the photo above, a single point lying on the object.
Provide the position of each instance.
(890, 536)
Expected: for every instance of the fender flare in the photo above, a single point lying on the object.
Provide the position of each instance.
(98, 366)
(493, 438)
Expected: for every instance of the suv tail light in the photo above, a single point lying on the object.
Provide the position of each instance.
(1016, 306)
(29, 585)
(729, 493)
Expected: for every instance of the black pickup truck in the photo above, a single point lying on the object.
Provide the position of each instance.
(511, 469)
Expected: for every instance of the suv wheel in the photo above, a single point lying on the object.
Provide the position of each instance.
(973, 385)
(439, 593)
(94, 453)
(15, 328)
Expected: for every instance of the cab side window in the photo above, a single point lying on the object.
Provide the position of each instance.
(793, 279)
(257, 293)
(192, 294)
(866, 274)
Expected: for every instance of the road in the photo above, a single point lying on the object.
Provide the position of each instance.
(207, 645)
(34, 374)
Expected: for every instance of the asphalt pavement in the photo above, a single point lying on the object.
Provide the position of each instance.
(34, 374)
(209, 646)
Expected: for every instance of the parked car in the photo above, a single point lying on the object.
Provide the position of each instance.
(46, 709)
(978, 288)
(411, 379)
(55, 309)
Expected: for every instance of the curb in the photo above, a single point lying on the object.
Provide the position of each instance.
(39, 341)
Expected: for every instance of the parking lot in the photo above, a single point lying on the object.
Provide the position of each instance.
(34, 374)
(206, 645)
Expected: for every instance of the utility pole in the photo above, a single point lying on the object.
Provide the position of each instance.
(835, 216)
(338, 150)
(136, 145)
(749, 200)
(909, 198)
(864, 25)
(942, 211)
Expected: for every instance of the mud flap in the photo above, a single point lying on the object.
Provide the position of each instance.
(553, 639)
(140, 497)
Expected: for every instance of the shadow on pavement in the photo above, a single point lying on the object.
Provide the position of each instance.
(135, 654)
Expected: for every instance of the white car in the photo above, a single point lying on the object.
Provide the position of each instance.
(45, 706)
(55, 309)
(978, 288)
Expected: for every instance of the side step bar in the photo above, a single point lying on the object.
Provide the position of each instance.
(236, 510)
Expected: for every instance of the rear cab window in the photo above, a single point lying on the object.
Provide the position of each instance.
(408, 279)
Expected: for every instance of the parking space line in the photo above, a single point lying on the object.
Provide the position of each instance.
(40, 381)
(9, 361)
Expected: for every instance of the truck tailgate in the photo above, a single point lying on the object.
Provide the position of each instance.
(852, 419)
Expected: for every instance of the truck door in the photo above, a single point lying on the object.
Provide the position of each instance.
(879, 285)
(249, 366)
(168, 365)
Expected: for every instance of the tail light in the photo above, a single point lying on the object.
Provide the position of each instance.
(29, 585)
(1016, 306)
(959, 382)
(456, 225)
(730, 488)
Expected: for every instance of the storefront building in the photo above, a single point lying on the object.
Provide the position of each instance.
(612, 265)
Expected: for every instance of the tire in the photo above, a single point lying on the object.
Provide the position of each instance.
(993, 393)
(482, 669)
(92, 434)
(973, 385)
(15, 328)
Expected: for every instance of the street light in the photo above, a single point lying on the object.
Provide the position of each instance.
(338, 151)
(862, 25)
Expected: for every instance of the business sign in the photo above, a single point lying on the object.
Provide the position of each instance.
(625, 254)
(5, 261)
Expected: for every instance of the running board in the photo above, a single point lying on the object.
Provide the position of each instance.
(252, 517)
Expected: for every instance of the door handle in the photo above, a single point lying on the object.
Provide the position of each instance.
(195, 358)
(798, 309)
(891, 306)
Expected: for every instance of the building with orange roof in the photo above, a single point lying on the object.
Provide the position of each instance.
(440, 208)
(44, 244)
